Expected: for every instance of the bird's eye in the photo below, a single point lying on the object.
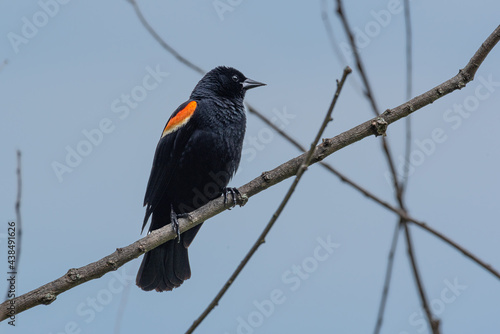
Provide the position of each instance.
(235, 78)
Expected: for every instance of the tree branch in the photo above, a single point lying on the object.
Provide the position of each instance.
(74, 277)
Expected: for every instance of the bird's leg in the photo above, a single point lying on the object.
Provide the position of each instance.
(224, 193)
(175, 222)
(234, 192)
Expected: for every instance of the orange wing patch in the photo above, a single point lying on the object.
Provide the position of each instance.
(180, 119)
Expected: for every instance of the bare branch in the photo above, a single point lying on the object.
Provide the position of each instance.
(329, 32)
(48, 292)
(359, 64)
(262, 238)
(341, 58)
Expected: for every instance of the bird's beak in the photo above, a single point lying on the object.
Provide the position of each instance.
(249, 84)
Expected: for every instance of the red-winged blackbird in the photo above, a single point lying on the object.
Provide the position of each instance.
(198, 152)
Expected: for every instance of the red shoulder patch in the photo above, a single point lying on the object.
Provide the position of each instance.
(180, 119)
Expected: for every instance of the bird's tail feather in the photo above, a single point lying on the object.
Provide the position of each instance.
(167, 266)
(164, 267)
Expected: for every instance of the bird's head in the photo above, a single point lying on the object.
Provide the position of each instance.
(224, 82)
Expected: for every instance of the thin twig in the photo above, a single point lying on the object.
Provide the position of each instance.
(262, 238)
(170, 49)
(387, 280)
(409, 85)
(409, 53)
(434, 323)
(359, 64)
(341, 58)
(47, 293)
(329, 32)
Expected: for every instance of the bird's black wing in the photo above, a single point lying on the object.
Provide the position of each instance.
(176, 133)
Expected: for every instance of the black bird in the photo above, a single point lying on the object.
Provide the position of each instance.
(198, 152)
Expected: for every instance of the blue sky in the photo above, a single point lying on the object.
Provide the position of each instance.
(72, 74)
